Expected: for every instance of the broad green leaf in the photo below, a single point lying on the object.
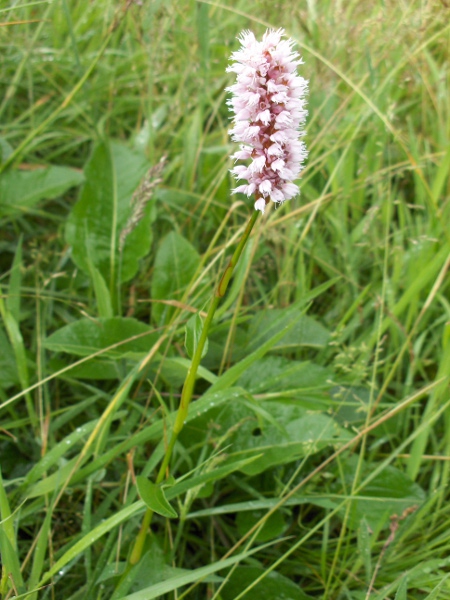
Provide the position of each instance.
(177, 581)
(153, 496)
(21, 191)
(175, 264)
(232, 374)
(276, 373)
(306, 332)
(274, 525)
(291, 433)
(272, 586)
(193, 331)
(86, 336)
(151, 569)
(94, 226)
(207, 477)
(390, 493)
(96, 368)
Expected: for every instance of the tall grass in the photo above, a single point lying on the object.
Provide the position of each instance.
(334, 335)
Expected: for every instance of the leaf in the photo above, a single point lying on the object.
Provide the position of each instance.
(93, 228)
(175, 264)
(389, 493)
(86, 336)
(177, 581)
(291, 433)
(5, 150)
(90, 538)
(102, 294)
(15, 283)
(193, 331)
(276, 373)
(53, 456)
(21, 191)
(273, 585)
(153, 496)
(435, 593)
(8, 367)
(306, 332)
(207, 477)
(274, 525)
(174, 371)
(10, 561)
(232, 374)
(402, 589)
(364, 547)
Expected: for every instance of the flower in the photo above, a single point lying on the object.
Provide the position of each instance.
(268, 103)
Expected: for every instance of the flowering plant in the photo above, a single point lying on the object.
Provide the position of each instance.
(269, 109)
(268, 102)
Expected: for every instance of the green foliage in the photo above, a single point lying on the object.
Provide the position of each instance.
(154, 498)
(176, 262)
(101, 214)
(337, 313)
(115, 337)
(21, 191)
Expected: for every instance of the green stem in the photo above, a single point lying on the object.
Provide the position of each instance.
(188, 387)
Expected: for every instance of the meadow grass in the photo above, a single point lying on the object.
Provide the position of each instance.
(315, 460)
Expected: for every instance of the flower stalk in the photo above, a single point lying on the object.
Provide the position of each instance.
(189, 384)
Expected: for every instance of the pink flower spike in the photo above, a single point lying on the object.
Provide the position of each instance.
(260, 205)
(268, 103)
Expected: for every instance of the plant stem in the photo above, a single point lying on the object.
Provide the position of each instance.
(188, 387)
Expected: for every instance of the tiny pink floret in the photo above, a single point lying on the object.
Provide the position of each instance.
(268, 103)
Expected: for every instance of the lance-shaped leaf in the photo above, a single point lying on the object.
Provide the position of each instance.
(112, 174)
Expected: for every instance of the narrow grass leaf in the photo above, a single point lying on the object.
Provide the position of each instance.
(402, 589)
(436, 593)
(441, 176)
(10, 560)
(87, 540)
(364, 547)
(39, 554)
(15, 283)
